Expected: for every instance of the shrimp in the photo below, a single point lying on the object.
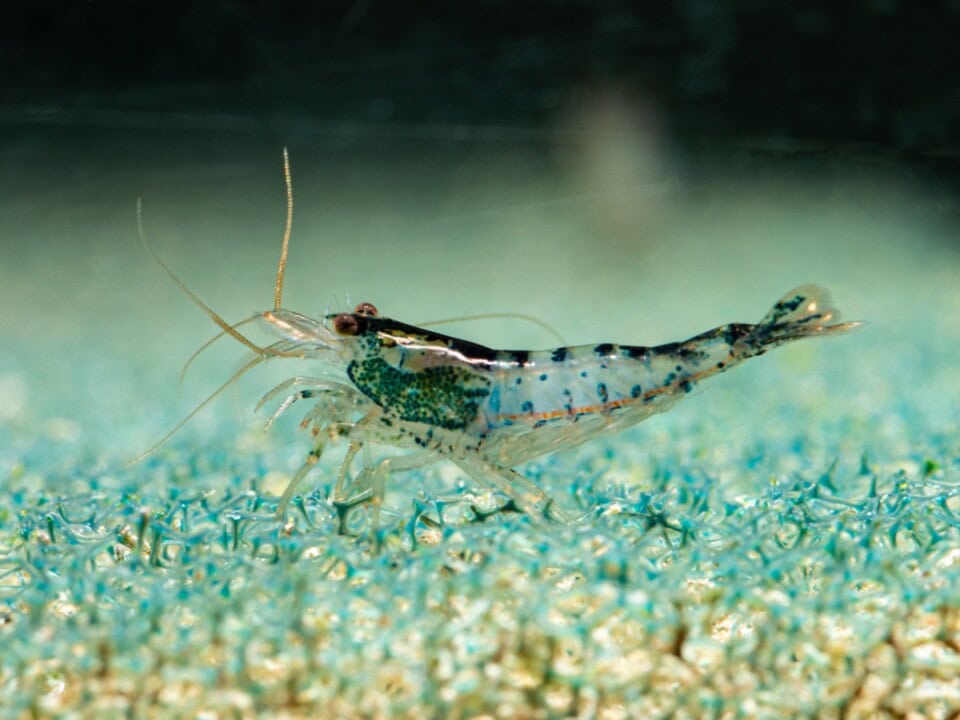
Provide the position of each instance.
(380, 381)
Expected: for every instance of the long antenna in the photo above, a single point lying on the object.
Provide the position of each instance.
(224, 325)
(216, 393)
(208, 343)
(284, 249)
(542, 324)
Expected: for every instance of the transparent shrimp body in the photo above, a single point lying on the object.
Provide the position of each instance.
(490, 410)
(545, 400)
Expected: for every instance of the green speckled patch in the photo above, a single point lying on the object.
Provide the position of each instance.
(445, 396)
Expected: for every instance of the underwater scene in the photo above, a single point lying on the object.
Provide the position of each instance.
(779, 540)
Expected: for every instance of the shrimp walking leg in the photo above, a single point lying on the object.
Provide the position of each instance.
(312, 459)
(338, 490)
(336, 402)
(527, 495)
(370, 483)
(298, 381)
(334, 399)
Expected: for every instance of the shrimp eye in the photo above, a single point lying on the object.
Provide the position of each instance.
(365, 308)
(346, 324)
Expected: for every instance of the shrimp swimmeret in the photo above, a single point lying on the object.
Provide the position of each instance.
(384, 382)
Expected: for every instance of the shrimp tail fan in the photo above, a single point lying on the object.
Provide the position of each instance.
(805, 311)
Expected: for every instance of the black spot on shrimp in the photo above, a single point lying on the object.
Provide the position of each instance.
(602, 392)
(636, 352)
(520, 357)
(667, 348)
(735, 331)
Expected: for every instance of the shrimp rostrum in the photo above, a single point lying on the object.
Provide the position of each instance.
(383, 382)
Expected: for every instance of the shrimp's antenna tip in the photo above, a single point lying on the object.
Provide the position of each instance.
(285, 247)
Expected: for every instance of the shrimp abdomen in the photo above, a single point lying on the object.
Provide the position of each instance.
(599, 387)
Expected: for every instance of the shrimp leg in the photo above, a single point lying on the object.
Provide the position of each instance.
(527, 495)
(313, 387)
(313, 457)
(370, 483)
(338, 491)
(323, 416)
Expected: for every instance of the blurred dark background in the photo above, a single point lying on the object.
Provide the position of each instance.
(763, 77)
